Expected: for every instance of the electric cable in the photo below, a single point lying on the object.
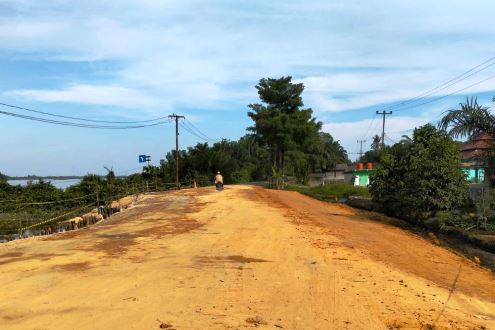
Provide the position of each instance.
(485, 65)
(79, 118)
(365, 136)
(447, 95)
(190, 124)
(189, 130)
(196, 132)
(57, 122)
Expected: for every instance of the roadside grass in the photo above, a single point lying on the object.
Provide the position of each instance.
(331, 192)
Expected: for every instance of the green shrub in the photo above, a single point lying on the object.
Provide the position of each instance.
(416, 180)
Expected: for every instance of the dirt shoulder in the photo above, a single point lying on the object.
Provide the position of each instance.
(242, 258)
(393, 246)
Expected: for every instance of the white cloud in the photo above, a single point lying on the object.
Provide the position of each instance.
(90, 94)
(189, 53)
(360, 90)
(190, 56)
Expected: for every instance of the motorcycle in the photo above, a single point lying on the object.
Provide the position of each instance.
(219, 186)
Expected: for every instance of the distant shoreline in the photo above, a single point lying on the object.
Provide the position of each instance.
(34, 177)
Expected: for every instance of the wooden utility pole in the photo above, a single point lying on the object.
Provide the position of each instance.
(176, 117)
(361, 148)
(384, 113)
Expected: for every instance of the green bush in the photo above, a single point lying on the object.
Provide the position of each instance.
(241, 176)
(416, 180)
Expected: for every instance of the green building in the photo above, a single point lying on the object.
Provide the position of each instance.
(362, 177)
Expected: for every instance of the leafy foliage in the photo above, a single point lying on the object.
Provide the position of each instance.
(373, 155)
(418, 179)
(39, 200)
(290, 133)
(284, 135)
(469, 120)
(285, 138)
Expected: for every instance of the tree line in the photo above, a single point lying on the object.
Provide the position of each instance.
(285, 139)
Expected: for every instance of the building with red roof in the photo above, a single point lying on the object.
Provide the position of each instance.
(472, 153)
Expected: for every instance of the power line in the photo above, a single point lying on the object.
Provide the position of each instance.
(403, 131)
(192, 127)
(484, 65)
(191, 131)
(386, 136)
(78, 118)
(65, 123)
(447, 95)
(197, 130)
(369, 127)
(374, 130)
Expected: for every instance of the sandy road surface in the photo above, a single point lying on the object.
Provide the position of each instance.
(241, 258)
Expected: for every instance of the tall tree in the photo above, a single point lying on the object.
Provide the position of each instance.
(280, 122)
(332, 152)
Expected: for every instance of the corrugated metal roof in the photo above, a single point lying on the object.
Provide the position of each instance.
(477, 146)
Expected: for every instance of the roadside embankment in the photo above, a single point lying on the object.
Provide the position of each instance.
(478, 245)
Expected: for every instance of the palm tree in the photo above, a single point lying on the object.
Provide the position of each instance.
(469, 120)
(328, 152)
(377, 142)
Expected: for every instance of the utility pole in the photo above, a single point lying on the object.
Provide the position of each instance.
(361, 148)
(176, 117)
(384, 113)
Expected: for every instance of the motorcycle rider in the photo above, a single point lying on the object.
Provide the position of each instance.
(218, 179)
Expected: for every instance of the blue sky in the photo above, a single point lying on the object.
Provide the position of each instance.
(141, 59)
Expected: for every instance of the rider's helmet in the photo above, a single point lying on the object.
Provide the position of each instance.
(218, 172)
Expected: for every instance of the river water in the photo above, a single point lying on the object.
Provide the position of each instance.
(62, 184)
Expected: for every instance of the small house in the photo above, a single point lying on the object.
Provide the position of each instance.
(362, 175)
(472, 157)
(337, 174)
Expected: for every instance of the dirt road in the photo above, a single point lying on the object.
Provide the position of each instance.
(242, 258)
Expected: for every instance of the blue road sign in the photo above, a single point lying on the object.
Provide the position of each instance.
(142, 158)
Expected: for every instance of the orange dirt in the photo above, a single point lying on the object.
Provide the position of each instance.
(245, 257)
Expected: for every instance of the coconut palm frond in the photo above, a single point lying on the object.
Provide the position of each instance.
(469, 120)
